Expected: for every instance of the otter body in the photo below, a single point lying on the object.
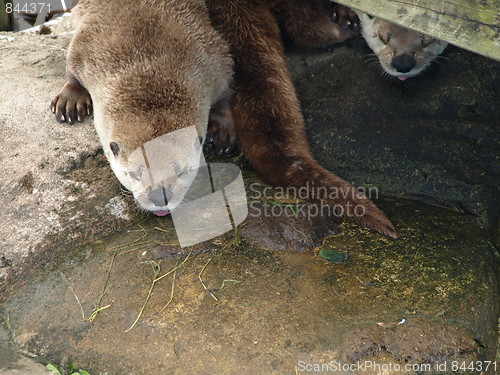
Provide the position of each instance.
(152, 70)
(160, 67)
(403, 53)
(267, 116)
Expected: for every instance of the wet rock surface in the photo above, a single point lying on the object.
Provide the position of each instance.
(77, 260)
(291, 226)
(241, 308)
(57, 188)
(411, 341)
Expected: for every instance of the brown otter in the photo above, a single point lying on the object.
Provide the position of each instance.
(162, 78)
(151, 77)
(267, 116)
(403, 53)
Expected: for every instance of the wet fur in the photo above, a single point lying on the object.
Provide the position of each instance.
(267, 115)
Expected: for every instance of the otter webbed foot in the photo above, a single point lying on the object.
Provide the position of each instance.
(72, 103)
(345, 17)
(221, 131)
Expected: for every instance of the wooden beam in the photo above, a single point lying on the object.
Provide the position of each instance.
(470, 24)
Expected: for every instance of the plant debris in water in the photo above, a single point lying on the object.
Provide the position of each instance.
(333, 256)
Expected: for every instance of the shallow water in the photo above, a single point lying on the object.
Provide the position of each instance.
(237, 308)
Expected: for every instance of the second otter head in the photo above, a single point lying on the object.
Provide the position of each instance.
(403, 53)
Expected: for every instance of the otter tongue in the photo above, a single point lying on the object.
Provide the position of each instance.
(402, 78)
(161, 213)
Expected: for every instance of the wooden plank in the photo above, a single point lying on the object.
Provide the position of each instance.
(470, 24)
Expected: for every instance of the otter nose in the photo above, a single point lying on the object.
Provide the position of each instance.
(404, 63)
(159, 197)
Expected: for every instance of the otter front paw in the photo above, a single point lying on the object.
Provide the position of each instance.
(72, 104)
(345, 18)
(221, 131)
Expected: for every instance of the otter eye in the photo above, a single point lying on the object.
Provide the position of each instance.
(181, 172)
(177, 168)
(425, 41)
(385, 38)
(137, 174)
(115, 149)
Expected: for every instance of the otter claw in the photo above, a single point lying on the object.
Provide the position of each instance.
(345, 18)
(72, 102)
(221, 130)
(230, 149)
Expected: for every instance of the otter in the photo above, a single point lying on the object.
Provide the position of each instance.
(267, 117)
(403, 53)
(151, 77)
(175, 67)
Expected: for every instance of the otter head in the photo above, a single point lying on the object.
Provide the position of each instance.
(156, 151)
(403, 53)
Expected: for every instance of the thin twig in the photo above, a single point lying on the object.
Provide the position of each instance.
(175, 268)
(171, 292)
(74, 293)
(95, 312)
(156, 271)
(234, 282)
(201, 280)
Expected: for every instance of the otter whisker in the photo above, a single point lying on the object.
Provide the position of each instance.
(125, 192)
(440, 58)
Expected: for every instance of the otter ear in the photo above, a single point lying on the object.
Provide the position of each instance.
(370, 17)
(115, 149)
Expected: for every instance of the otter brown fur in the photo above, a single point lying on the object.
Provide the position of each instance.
(268, 120)
(267, 115)
(156, 67)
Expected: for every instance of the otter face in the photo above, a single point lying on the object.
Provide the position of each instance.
(158, 170)
(402, 53)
